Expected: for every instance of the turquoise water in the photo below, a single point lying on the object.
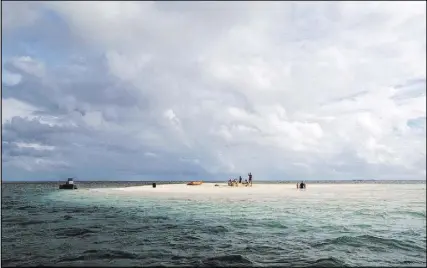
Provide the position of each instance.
(347, 225)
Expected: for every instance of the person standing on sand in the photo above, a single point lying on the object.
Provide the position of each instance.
(240, 179)
(250, 178)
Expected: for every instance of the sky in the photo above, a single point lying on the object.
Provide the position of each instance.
(213, 90)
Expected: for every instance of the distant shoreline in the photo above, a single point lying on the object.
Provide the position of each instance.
(259, 182)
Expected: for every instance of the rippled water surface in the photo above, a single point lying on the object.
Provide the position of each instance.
(102, 224)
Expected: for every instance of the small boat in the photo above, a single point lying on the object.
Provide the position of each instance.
(195, 183)
(69, 185)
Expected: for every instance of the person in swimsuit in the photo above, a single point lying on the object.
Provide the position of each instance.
(250, 178)
(240, 179)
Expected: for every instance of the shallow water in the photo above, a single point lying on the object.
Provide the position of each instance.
(349, 225)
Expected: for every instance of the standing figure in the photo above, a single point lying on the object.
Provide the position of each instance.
(250, 178)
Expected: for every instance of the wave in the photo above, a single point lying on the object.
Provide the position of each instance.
(157, 218)
(263, 248)
(219, 229)
(26, 207)
(100, 255)
(74, 232)
(384, 214)
(73, 210)
(327, 262)
(293, 261)
(26, 221)
(371, 242)
(226, 260)
(35, 222)
(369, 213)
(416, 214)
(275, 224)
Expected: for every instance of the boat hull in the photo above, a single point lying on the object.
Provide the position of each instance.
(67, 187)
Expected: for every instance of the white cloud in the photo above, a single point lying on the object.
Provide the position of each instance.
(150, 154)
(13, 107)
(35, 146)
(28, 65)
(11, 79)
(298, 89)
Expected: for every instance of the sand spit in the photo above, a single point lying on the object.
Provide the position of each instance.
(259, 191)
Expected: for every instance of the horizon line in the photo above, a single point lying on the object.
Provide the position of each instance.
(178, 181)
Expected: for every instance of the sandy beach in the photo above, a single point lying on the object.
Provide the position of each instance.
(260, 191)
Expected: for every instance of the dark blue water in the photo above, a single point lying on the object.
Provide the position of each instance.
(42, 225)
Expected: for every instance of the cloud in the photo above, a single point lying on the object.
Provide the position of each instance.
(156, 90)
(11, 79)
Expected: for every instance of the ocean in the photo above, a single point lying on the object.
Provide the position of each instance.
(116, 224)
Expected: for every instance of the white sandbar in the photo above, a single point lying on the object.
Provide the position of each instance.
(267, 191)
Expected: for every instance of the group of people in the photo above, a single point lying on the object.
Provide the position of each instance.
(235, 182)
(301, 185)
(248, 182)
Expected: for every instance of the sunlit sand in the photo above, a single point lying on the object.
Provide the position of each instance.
(261, 191)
